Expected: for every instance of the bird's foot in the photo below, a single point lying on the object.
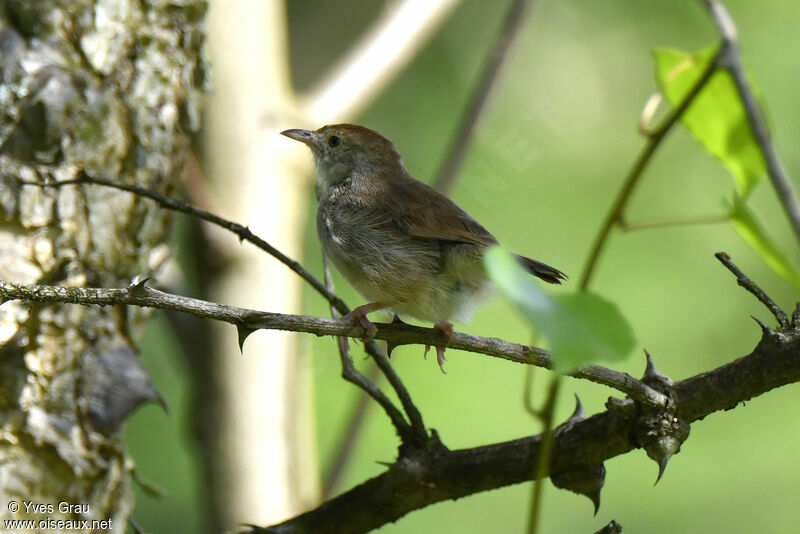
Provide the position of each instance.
(359, 316)
(447, 329)
(440, 359)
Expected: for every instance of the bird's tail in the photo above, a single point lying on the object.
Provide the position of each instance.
(541, 270)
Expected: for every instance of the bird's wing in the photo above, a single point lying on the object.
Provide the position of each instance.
(425, 213)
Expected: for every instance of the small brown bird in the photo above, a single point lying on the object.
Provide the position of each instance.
(403, 245)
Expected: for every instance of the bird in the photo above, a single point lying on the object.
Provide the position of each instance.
(403, 245)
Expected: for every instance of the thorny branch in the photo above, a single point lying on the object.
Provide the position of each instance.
(242, 232)
(440, 474)
(751, 286)
(245, 234)
(429, 472)
(250, 320)
(443, 474)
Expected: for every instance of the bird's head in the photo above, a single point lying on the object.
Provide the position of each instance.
(342, 150)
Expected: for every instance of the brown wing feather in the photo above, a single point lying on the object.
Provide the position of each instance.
(428, 214)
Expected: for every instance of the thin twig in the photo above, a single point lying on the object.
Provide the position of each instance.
(349, 434)
(387, 46)
(245, 234)
(345, 447)
(242, 232)
(730, 60)
(395, 333)
(477, 103)
(626, 226)
(753, 288)
(653, 142)
(413, 413)
(354, 376)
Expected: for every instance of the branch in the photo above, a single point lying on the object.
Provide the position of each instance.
(491, 70)
(627, 226)
(247, 320)
(753, 288)
(174, 204)
(448, 475)
(729, 59)
(245, 234)
(395, 38)
(654, 140)
(347, 437)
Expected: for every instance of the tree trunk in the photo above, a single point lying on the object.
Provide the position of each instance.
(265, 465)
(109, 87)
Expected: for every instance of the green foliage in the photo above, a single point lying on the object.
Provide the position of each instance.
(718, 121)
(581, 328)
(752, 232)
(717, 117)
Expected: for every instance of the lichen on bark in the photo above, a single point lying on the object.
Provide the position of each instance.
(112, 88)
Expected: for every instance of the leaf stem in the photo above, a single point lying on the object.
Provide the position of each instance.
(624, 194)
(545, 453)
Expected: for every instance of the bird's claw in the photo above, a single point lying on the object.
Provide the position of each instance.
(440, 358)
(359, 317)
(447, 328)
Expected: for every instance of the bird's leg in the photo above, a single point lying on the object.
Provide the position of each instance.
(447, 328)
(359, 316)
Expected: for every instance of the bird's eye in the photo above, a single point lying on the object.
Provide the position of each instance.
(334, 141)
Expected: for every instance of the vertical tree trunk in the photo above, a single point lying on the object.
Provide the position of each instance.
(109, 87)
(265, 467)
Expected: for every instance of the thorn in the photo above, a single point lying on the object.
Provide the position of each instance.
(138, 282)
(243, 332)
(397, 320)
(578, 414)
(595, 498)
(425, 354)
(161, 401)
(390, 347)
(765, 330)
(587, 480)
(612, 528)
(651, 374)
(650, 367)
(662, 465)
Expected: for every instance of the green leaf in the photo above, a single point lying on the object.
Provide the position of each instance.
(580, 328)
(716, 118)
(752, 232)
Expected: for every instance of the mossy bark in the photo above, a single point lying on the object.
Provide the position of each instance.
(110, 88)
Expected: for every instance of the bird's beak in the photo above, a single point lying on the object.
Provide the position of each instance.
(304, 136)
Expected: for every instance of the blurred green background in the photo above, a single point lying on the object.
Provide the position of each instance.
(552, 148)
